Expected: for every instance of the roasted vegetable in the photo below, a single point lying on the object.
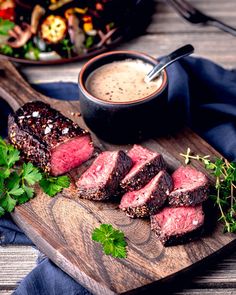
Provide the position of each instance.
(37, 13)
(58, 4)
(19, 36)
(7, 9)
(53, 29)
(77, 36)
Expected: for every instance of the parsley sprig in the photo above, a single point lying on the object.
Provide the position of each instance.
(112, 240)
(225, 187)
(17, 181)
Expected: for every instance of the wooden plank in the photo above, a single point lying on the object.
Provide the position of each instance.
(15, 263)
(211, 281)
(166, 20)
(165, 23)
(218, 47)
(214, 291)
(61, 227)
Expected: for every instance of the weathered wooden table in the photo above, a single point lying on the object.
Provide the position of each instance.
(166, 32)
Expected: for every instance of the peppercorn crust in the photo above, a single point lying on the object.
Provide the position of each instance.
(36, 129)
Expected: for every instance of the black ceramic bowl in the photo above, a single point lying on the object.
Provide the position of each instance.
(123, 122)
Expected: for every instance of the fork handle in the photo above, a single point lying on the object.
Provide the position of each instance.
(222, 26)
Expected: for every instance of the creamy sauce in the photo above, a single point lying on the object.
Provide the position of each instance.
(122, 81)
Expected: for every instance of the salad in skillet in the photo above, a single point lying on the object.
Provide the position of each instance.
(56, 29)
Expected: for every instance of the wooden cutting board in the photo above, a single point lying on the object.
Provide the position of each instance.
(61, 227)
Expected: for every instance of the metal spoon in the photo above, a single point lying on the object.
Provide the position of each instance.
(166, 60)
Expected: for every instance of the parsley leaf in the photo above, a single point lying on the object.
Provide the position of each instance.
(53, 185)
(8, 155)
(8, 203)
(5, 26)
(31, 174)
(112, 240)
(16, 182)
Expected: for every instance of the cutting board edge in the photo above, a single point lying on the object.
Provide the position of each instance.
(35, 237)
(99, 286)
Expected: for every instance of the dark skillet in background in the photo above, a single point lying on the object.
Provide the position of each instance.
(132, 18)
(125, 122)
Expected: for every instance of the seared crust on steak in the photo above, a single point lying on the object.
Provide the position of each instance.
(101, 180)
(36, 129)
(149, 199)
(146, 165)
(178, 225)
(180, 239)
(190, 187)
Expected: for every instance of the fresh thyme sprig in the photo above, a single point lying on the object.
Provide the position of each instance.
(225, 186)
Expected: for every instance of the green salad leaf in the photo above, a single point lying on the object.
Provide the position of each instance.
(5, 26)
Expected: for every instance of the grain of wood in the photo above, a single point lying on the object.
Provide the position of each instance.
(166, 20)
(214, 291)
(15, 264)
(65, 239)
(218, 47)
(6, 292)
(166, 32)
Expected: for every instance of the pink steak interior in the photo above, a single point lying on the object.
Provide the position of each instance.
(139, 197)
(188, 177)
(180, 220)
(71, 154)
(139, 156)
(99, 171)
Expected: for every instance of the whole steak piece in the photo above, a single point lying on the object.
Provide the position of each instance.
(48, 139)
(146, 165)
(102, 179)
(148, 199)
(190, 187)
(178, 225)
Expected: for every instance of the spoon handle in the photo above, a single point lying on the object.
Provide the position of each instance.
(169, 59)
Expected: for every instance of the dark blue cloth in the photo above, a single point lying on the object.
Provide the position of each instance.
(201, 93)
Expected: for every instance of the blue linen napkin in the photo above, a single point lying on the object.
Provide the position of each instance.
(201, 93)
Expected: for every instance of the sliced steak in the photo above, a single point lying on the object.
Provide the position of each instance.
(148, 199)
(178, 225)
(146, 165)
(101, 180)
(48, 139)
(190, 187)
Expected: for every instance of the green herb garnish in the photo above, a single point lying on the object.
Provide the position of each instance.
(5, 26)
(67, 46)
(112, 240)
(30, 51)
(89, 41)
(17, 181)
(6, 49)
(53, 185)
(225, 187)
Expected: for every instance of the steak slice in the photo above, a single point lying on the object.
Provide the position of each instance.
(178, 225)
(148, 199)
(190, 187)
(146, 165)
(48, 139)
(101, 180)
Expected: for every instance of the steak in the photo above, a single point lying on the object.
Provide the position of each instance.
(148, 199)
(48, 139)
(178, 225)
(146, 165)
(101, 180)
(190, 187)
